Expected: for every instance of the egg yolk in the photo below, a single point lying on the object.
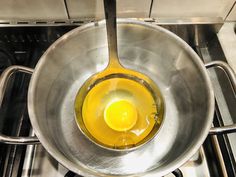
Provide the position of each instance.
(120, 115)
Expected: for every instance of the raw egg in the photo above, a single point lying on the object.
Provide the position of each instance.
(118, 112)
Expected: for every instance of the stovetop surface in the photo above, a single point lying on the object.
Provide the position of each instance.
(25, 45)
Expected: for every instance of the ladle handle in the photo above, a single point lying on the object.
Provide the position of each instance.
(110, 14)
(232, 78)
(5, 77)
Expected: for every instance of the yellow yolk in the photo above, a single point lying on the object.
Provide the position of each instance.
(120, 115)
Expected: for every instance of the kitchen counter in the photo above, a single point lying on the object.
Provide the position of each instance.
(227, 38)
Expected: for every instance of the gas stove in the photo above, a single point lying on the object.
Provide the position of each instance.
(23, 44)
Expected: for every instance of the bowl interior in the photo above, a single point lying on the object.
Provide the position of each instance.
(160, 55)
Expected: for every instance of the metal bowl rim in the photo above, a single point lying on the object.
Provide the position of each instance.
(83, 169)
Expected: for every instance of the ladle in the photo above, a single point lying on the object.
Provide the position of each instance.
(115, 70)
(114, 66)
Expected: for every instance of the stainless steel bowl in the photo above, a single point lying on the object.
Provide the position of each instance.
(152, 50)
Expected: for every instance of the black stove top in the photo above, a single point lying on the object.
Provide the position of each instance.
(20, 46)
(25, 45)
